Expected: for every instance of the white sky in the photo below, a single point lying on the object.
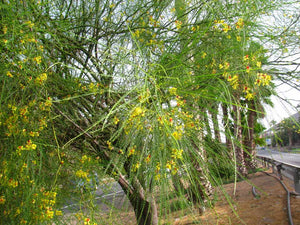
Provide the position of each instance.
(282, 109)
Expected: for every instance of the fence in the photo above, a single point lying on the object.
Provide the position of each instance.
(282, 167)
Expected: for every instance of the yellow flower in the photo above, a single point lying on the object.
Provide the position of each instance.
(4, 29)
(58, 213)
(9, 74)
(238, 38)
(239, 24)
(137, 111)
(85, 158)
(136, 33)
(48, 102)
(131, 151)
(170, 164)
(2, 200)
(178, 24)
(116, 120)
(49, 214)
(13, 183)
(31, 40)
(177, 153)
(18, 211)
(157, 168)
(157, 177)
(248, 69)
(249, 96)
(258, 64)
(226, 65)
(81, 174)
(177, 135)
(263, 79)
(234, 81)
(226, 28)
(135, 167)
(29, 24)
(23, 221)
(173, 90)
(148, 158)
(38, 59)
(87, 221)
(41, 79)
(29, 146)
(174, 170)
(110, 147)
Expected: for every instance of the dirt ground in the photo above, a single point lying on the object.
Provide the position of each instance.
(269, 208)
(242, 208)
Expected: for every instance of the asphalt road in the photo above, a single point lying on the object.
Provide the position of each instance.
(283, 157)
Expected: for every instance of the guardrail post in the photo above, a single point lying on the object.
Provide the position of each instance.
(297, 180)
(279, 168)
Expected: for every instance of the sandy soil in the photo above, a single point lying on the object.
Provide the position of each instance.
(270, 208)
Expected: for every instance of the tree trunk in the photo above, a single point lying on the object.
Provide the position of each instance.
(249, 138)
(290, 134)
(239, 152)
(201, 190)
(206, 122)
(226, 125)
(214, 116)
(144, 207)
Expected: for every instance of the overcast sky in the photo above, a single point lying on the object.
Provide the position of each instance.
(282, 109)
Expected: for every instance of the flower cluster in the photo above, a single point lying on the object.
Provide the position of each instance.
(234, 81)
(82, 174)
(178, 24)
(249, 81)
(41, 79)
(23, 117)
(263, 79)
(148, 37)
(222, 26)
(249, 94)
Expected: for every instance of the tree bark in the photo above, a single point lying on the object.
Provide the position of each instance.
(249, 138)
(290, 134)
(206, 122)
(226, 125)
(144, 207)
(201, 191)
(239, 152)
(214, 116)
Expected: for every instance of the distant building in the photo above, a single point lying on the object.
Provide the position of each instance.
(280, 132)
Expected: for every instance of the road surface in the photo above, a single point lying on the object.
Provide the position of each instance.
(282, 157)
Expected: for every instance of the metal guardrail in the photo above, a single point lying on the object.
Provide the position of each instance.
(287, 169)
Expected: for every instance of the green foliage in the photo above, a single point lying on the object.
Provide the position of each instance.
(286, 133)
(219, 160)
(30, 160)
(92, 90)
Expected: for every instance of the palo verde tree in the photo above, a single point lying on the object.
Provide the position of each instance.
(117, 88)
